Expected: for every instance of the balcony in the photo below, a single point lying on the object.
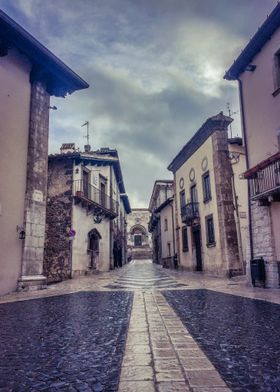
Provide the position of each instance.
(264, 179)
(94, 199)
(190, 213)
(153, 222)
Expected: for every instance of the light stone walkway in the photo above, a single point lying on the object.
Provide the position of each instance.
(161, 355)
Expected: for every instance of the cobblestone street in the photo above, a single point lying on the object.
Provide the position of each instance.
(141, 328)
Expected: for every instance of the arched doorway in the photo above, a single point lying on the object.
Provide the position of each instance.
(93, 248)
(138, 235)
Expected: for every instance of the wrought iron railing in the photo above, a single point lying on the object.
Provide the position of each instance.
(190, 212)
(89, 192)
(266, 180)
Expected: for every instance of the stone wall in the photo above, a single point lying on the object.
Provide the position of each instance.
(57, 257)
(36, 186)
(224, 192)
(263, 243)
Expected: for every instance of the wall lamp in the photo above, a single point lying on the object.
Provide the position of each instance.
(52, 107)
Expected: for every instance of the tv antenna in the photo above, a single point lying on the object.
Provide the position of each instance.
(87, 146)
(230, 113)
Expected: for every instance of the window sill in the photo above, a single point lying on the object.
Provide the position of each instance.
(212, 245)
(276, 92)
(185, 250)
(207, 200)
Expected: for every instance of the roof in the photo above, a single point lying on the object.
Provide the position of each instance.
(235, 140)
(250, 173)
(164, 204)
(95, 157)
(126, 203)
(212, 124)
(264, 33)
(156, 188)
(60, 79)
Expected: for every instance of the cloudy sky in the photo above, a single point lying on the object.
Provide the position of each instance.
(155, 69)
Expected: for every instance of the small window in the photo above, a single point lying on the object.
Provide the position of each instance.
(193, 193)
(277, 70)
(185, 239)
(206, 187)
(182, 199)
(165, 224)
(169, 249)
(210, 232)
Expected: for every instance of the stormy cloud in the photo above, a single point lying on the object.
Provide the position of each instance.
(155, 69)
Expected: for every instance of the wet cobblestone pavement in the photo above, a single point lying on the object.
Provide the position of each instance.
(239, 335)
(66, 343)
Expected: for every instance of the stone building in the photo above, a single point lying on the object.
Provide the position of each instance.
(210, 216)
(86, 213)
(161, 224)
(139, 242)
(257, 70)
(29, 75)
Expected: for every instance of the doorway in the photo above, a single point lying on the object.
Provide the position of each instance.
(197, 246)
(93, 248)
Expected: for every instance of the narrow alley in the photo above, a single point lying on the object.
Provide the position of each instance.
(141, 328)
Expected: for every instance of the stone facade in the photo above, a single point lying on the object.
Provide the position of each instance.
(86, 195)
(57, 258)
(263, 243)
(137, 225)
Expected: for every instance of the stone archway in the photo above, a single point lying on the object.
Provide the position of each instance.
(138, 235)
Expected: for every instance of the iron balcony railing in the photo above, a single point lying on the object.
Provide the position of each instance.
(88, 192)
(265, 181)
(190, 212)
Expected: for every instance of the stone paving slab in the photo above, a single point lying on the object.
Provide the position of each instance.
(173, 359)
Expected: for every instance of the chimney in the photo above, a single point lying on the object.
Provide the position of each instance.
(67, 148)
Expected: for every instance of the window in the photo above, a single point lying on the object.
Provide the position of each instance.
(182, 199)
(193, 194)
(206, 187)
(185, 239)
(210, 232)
(165, 224)
(169, 249)
(277, 70)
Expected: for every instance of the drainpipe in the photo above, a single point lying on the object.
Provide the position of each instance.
(241, 98)
(173, 235)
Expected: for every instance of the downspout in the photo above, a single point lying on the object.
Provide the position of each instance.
(173, 234)
(112, 265)
(241, 98)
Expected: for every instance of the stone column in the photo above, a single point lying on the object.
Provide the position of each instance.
(227, 225)
(36, 190)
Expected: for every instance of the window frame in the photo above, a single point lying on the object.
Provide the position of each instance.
(185, 240)
(165, 224)
(210, 232)
(206, 186)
